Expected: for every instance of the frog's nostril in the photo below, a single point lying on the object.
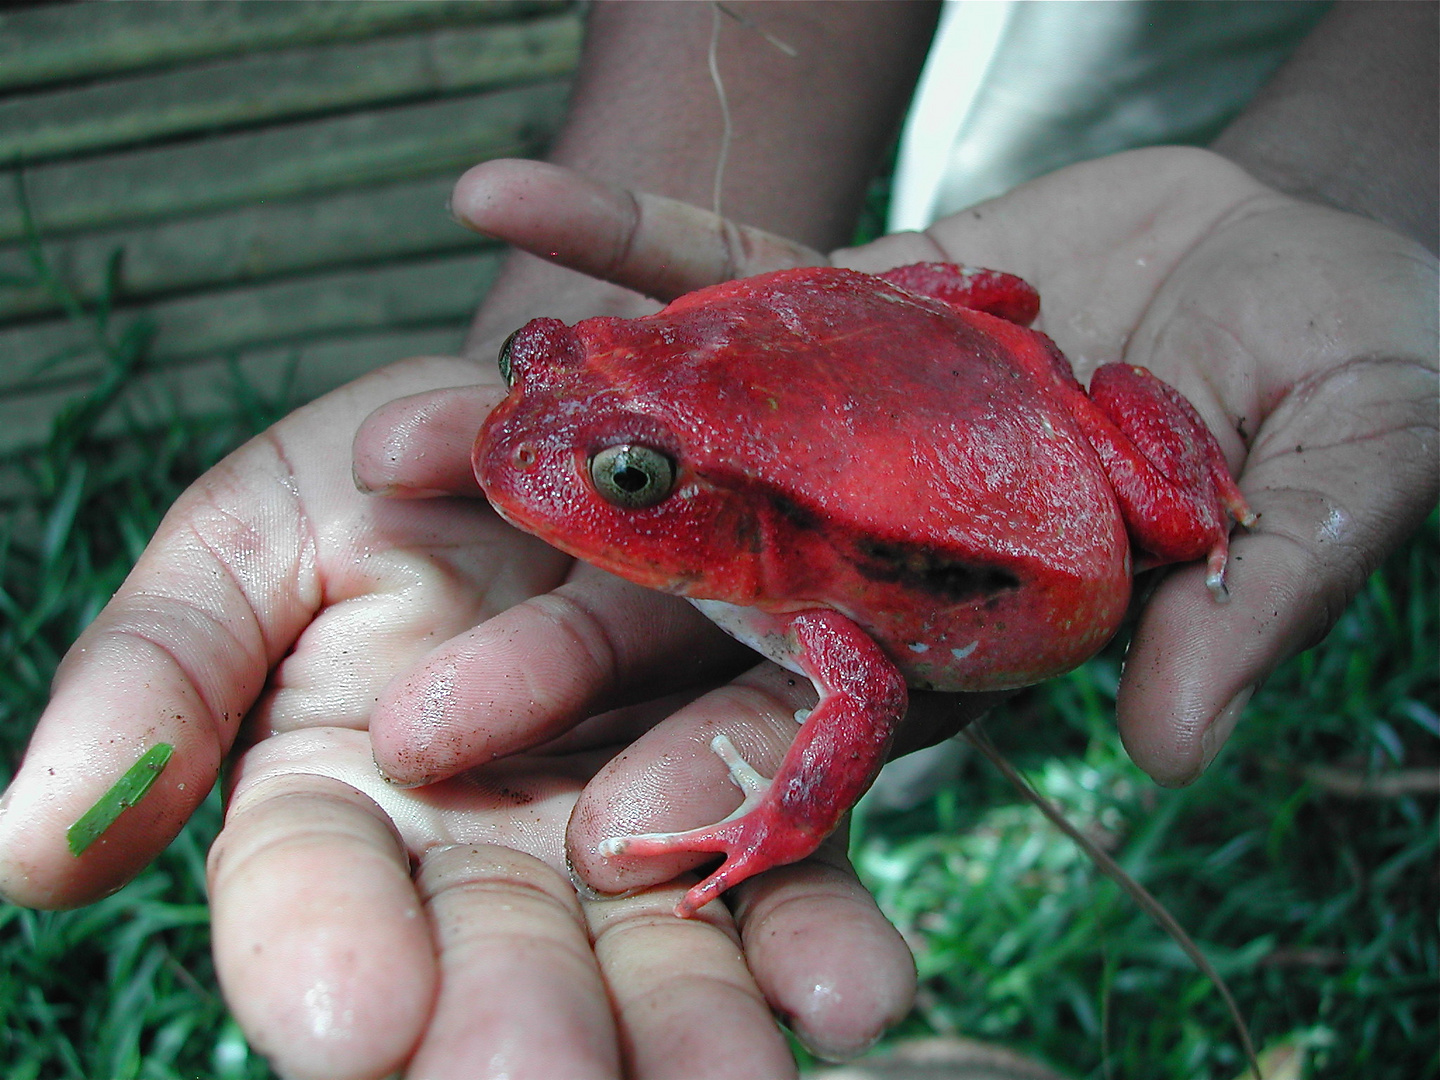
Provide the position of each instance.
(523, 455)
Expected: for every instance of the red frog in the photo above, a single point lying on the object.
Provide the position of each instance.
(873, 480)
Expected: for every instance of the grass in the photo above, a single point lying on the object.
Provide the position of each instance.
(1318, 907)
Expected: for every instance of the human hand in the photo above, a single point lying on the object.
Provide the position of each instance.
(1287, 325)
(270, 610)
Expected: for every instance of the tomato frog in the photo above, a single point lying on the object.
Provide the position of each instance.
(874, 480)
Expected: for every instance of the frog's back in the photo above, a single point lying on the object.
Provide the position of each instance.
(894, 458)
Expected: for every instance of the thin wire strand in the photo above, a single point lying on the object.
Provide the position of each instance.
(716, 11)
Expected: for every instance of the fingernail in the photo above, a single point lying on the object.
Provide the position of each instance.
(396, 491)
(401, 785)
(364, 488)
(1214, 736)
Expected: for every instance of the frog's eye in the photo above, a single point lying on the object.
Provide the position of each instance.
(506, 372)
(632, 475)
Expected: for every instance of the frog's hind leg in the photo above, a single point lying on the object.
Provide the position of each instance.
(840, 747)
(1169, 474)
(970, 287)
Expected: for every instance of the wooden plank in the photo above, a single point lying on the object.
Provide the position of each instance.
(65, 42)
(306, 369)
(244, 244)
(296, 82)
(440, 290)
(284, 162)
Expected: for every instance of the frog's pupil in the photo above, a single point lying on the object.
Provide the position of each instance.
(628, 478)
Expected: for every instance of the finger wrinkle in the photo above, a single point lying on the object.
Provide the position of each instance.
(615, 929)
(491, 868)
(1367, 374)
(833, 890)
(303, 572)
(580, 623)
(220, 623)
(269, 822)
(220, 721)
(633, 212)
(309, 544)
(1422, 432)
(669, 993)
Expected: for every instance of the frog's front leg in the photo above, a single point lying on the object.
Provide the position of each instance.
(840, 747)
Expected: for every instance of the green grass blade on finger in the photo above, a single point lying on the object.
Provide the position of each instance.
(123, 794)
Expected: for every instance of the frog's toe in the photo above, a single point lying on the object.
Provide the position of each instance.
(742, 774)
(754, 837)
(1215, 576)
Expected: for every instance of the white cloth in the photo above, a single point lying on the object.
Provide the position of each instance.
(1014, 89)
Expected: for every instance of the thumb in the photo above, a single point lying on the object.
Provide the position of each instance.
(654, 245)
(1339, 474)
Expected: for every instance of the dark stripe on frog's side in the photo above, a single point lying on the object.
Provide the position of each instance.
(931, 571)
(792, 512)
(913, 566)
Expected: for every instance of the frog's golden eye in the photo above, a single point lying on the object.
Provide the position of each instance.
(632, 475)
(506, 372)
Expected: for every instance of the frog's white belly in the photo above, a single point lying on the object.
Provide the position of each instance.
(763, 632)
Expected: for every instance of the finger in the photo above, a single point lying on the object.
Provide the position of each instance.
(656, 246)
(177, 657)
(520, 992)
(319, 944)
(521, 802)
(684, 1000)
(1338, 480)
(228, 589)
(420, 446)
(537, 669)
(822, 953)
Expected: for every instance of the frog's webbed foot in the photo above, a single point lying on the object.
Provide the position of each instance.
(658, 843)
(749, 836)
(840, 747)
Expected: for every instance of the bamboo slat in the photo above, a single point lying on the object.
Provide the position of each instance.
(65, 42)
(283, 162)
(277, 85)
(445, 289)
(244, 243)
(299, 371)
